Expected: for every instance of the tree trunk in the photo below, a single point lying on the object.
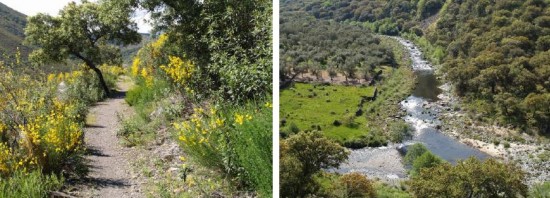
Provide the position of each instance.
(92, 66)
(101, 79)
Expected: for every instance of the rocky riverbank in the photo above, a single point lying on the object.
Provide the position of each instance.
(499, 142)
(383, 163)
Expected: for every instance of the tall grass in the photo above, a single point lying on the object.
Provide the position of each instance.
(33, 184)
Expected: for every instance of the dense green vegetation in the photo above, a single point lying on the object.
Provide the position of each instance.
(83, 31)
(470, 178)
(330, 108)
(494, 52)
(351, 115)
(207, 81)
(310, 46)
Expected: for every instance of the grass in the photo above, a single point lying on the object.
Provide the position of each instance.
(33, 184)
(308, 105)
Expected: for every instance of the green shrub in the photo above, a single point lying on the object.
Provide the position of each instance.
(32, 184)
(373, 139)
(136, 131)
(506, 144)
(357, 185)
(399, 131)
(141, 96)
(385, 191)
(426, 160)
(414, 151)
(234, 139)
(541, 190)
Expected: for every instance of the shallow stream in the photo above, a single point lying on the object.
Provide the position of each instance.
(385, 162)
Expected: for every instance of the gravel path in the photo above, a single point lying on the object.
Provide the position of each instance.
(109, 162)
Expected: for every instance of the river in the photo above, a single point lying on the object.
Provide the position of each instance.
(385, 162)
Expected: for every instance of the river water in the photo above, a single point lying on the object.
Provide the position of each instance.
(385, 162)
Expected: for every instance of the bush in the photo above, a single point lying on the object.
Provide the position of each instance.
(142, 94)
(470, 178)
(541, 190)
(304, 155)
(400, 131)
(385, 191)
(506, 144)
(373, 139)
(357, 185)
(233, 139)
(413, 152)
(426, 160)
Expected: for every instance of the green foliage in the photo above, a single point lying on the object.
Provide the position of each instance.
(346, 49)
(230, 42)
(236, 140)
(400, 131)
(33, 184)
(84, 31)
(252, 145)
(142, 94)
(385, 191)
(470, 178)
(137, 131)
(304, 111)
(541, 190)
(413, 152)
(302, 156)
(357, 185)
(426, 160)
(491, 51)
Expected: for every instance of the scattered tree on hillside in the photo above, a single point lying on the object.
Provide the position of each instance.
(87, 31)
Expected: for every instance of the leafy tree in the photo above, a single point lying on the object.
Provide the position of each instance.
(414, 151)
(86, 31)
(470, 178)
(426, 160)
(229, 41)
(302, 156)
(357, 185)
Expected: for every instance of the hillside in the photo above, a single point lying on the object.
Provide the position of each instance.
(130, 51)
(12, 33)
(493, 52)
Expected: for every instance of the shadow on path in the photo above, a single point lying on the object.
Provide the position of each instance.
(117, 94)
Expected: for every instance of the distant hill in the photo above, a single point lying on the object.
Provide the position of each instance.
(12, 31)
(130, 51)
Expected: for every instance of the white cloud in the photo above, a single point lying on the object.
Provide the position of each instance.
(52, 7)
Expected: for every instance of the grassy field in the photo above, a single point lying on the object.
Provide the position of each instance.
(308, 106)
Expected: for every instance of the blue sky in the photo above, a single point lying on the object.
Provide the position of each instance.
(52, 7)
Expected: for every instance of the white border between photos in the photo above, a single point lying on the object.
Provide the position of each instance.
(275, 22)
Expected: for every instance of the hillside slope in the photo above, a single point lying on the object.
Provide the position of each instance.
(12, 31)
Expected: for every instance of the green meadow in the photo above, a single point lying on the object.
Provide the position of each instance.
(310, 106)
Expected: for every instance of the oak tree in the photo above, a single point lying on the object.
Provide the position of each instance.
(87, 31)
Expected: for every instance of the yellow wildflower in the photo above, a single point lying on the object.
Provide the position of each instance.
(135, 66)
(268, 105)
(239, 119)
(219, 122)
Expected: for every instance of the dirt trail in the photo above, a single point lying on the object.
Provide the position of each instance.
(109, 162)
